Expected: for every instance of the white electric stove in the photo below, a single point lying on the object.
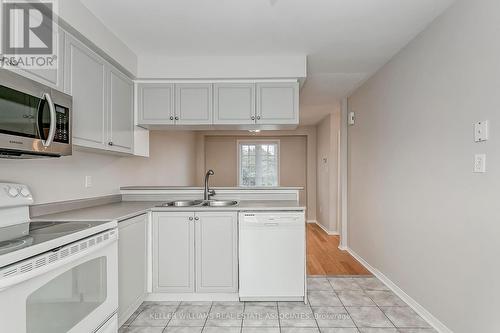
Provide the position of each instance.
(55, 277)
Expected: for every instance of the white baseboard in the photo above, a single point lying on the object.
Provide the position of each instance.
(122, 318)
(192, 297)
(329, 233)
(433, 321)
(312, 221)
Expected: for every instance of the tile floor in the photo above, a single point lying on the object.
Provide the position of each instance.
(336, 305)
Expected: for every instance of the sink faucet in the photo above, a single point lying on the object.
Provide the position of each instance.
(208, 192)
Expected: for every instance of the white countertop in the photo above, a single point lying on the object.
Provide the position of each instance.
(201, 188)
(127, 209)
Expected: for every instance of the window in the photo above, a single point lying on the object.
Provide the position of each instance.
(258, 163)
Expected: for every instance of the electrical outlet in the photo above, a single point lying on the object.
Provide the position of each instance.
(481, 130)
(480, 163)
(88, 181)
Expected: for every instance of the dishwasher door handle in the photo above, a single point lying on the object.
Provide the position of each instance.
(272, 224)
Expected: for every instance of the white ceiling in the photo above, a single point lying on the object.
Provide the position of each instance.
(345, 41)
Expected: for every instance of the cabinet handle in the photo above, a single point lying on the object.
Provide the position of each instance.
(196, 218)
(252, 117)
(190, 218)
(176, 118)
(110, 143)
(258, 117)
(171, 117)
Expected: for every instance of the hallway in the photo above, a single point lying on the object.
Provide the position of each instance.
(325, 258)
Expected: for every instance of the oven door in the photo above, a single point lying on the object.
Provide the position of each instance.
(75, 294)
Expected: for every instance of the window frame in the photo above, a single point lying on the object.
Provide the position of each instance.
(259, 141)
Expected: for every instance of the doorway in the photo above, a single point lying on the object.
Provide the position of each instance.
(327, 236)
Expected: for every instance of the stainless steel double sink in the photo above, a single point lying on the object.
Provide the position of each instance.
(200, 203)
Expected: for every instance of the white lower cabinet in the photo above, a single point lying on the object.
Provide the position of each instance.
(216, 243)
(195, 252)
(132, 265)
(173, 252)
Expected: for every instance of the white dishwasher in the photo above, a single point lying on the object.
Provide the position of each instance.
(272, 256)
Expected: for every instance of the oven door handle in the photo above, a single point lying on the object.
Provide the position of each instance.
(52, 128)
(9, 282)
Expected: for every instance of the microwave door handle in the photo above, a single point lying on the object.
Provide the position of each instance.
(52, 128)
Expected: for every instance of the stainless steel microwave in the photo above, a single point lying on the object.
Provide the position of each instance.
(35, 120)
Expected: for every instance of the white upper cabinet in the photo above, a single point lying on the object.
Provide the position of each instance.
(193, 103)
(103, 100)
(230, 104)
(121, 112)
(103, 97)
(85, 80)
(234, 103)
(51, 77)
(277, 103)
(155, 103)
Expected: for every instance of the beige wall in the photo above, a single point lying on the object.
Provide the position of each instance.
(417, 212)
(221, 155)
(217, 150)
(327, 174)
(172, 162)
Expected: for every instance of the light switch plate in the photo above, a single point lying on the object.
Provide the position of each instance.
(480, 163)
(481, 131)
(352, 118)
(88, 181)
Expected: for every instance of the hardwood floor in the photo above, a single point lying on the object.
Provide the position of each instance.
(325, 258)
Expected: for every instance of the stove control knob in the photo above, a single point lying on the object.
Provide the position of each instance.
(13, 192)
(25, 192)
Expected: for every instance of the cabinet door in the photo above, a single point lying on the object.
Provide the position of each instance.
(51, 77)
(132, 265)
(193, 103)
(85, 80)
(173, 252)
(234, 103)
(121, 112)
(216, 252)
(277, 103)
(156, 103)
